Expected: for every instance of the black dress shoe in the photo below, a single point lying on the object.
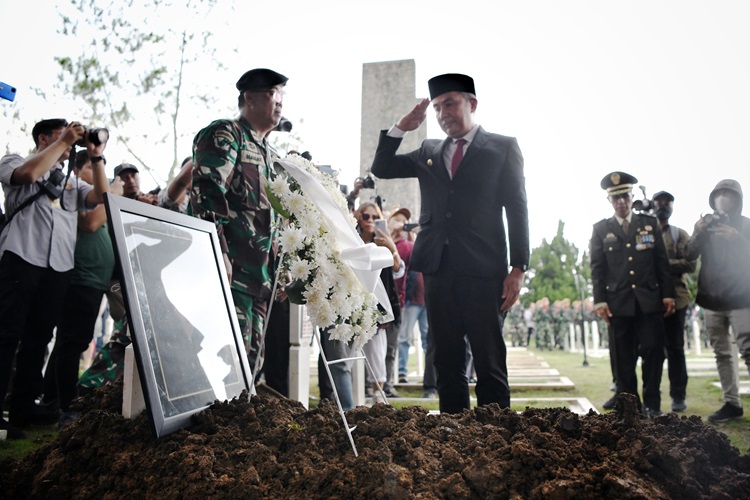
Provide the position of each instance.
(610, 403)
(33, 415)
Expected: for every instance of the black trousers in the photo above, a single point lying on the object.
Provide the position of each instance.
(74, 334)
(674, 344)
(276, 365)
(642, 334)
(31, 300)
(461, 307)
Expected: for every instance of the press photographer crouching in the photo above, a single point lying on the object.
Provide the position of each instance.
(37, 246)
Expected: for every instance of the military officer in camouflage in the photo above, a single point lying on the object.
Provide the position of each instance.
(233, 164)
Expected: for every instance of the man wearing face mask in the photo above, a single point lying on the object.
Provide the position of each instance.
(722, 240)
(675, 240)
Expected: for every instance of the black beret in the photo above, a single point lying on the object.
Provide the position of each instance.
(450, 82)
(618, 183)
(663, 194)
(260, 79)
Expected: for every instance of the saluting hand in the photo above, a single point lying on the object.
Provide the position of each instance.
(414, 118)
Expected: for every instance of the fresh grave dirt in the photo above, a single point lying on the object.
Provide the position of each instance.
(270, 447)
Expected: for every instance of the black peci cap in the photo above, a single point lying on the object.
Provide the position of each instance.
(450, 82)
(260, 79)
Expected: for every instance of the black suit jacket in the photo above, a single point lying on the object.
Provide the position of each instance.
(465, 212)
(630, 268)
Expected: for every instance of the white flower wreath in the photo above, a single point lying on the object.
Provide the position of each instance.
(334, 295)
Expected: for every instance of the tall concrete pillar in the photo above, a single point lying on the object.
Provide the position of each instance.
(388, 92)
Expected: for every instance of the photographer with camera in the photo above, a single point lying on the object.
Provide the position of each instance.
(722, 240)
(37, 245)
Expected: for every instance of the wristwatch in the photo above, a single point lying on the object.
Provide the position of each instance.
(95, 159)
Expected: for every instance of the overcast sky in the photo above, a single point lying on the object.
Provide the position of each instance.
(659, 89)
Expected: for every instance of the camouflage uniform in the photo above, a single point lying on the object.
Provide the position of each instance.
(232, 167)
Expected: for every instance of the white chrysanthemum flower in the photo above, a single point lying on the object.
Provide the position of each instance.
(280, 186)
(300, 269)
(292, 239)
(342, 332)
(313, 297)
(296, 204)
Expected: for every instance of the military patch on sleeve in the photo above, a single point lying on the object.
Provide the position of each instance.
(223, 139)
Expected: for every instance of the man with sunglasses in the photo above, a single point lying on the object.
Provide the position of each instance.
(233, 164)
(633, 290)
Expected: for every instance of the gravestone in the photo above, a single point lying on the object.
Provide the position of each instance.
(388, 93)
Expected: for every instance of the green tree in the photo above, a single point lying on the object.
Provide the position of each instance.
(136, 77)
(552, 269)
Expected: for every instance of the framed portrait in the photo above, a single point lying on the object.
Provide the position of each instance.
(188, 347)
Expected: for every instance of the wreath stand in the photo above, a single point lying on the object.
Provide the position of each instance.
(316, 333)
(327, 365)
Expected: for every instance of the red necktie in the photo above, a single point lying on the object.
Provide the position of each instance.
(458, 155)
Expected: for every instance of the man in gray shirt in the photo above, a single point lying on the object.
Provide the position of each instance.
(36, 256)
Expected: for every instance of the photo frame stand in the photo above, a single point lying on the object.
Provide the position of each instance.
(327, 365)
(133, 402)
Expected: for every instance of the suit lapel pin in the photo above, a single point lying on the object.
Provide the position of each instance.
(429, 162)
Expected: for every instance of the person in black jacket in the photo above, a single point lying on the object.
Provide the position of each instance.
(633, 289)
(722, 240)
(468, 182)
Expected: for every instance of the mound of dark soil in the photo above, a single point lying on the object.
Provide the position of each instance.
(273, 448)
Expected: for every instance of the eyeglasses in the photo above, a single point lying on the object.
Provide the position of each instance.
(367, 216)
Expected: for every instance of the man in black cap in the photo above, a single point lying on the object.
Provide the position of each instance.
(633, 289)
(675, 240)
(131, 183)
(467, 181)
(233, 164)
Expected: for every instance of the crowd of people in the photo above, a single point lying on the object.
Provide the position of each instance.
(457, 271)
(639, 264)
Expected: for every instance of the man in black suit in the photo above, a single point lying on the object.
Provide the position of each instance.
(633, 288)
(467, 181)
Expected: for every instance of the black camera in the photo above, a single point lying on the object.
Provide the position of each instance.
(644, 205)
(715, 219)
(54, 184)
(368, 182)
(284, 125)
(97, 137)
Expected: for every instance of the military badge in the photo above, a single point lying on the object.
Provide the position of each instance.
(649, 228)
(615, 178)
(429, 163)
